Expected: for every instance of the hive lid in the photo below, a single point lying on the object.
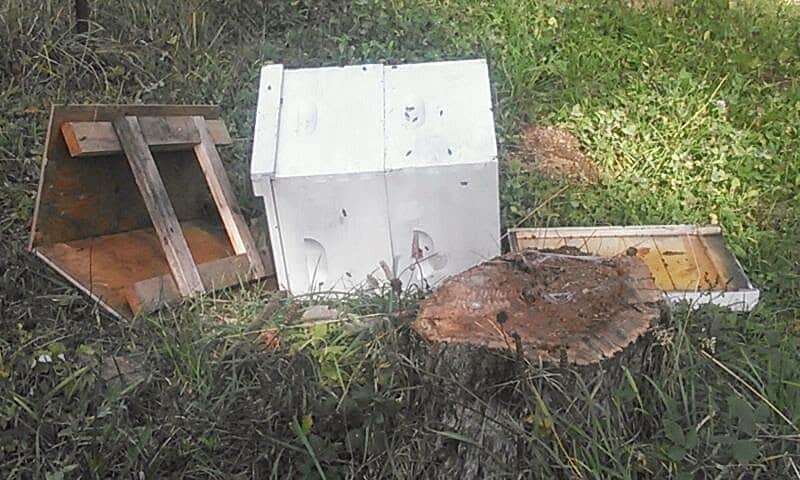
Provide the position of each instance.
(371, 118)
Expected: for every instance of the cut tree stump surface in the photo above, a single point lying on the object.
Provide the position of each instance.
(557, 307)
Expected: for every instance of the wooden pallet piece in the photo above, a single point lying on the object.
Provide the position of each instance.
(91, 139)
(221, 191)
(165, 222)
(149, 295)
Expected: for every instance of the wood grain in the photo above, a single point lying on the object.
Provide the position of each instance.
(87, 139)
(156, 199)
(87, 197)
(103, 267)
(149, 295)
(679, 262)
(646, 250)
(221, 191)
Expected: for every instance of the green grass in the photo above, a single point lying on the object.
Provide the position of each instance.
(692, 114)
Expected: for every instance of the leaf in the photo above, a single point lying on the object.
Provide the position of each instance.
(307, 423)
(676, 453)
(745, 451)
(691, 439)
(86, 349)
(674, 432)
(629, 130)
(741, 410)
(303, 436)
(56, 349)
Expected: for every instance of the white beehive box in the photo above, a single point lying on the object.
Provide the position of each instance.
(366, 164)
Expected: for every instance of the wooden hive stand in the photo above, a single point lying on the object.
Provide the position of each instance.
(136, 209)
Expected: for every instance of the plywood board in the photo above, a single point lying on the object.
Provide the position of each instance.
(104, 266)
(646, 250)
(149, 295)
(680, 261)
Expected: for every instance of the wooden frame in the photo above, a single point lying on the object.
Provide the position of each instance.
(136, 209)
(688, 262)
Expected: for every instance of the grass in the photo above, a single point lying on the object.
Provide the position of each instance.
(692, 114)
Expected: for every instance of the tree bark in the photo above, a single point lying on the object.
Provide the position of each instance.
(522, 340)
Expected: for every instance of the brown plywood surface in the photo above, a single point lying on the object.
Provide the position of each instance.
(151, 294)
(681, 262)
(85, 197)
(104, 266)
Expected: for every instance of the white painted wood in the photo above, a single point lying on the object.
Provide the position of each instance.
(265, 136)
(739, 300)
(439, 114)
(342, 190)
(448, 214)
(334, 230)
(611, 231)
(331, 121)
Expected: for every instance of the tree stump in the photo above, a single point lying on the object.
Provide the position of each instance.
(517, 340)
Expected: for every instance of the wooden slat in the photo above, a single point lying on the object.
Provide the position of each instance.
(158, 205)
(87, 139)
(149, 295)
(635, 230)
(221, 191)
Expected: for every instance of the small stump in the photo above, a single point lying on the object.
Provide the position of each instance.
(492, 329)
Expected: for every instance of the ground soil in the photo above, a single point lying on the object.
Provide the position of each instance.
(556, 152)
(552, 305)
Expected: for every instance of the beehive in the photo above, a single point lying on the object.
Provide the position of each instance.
(376, 171)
